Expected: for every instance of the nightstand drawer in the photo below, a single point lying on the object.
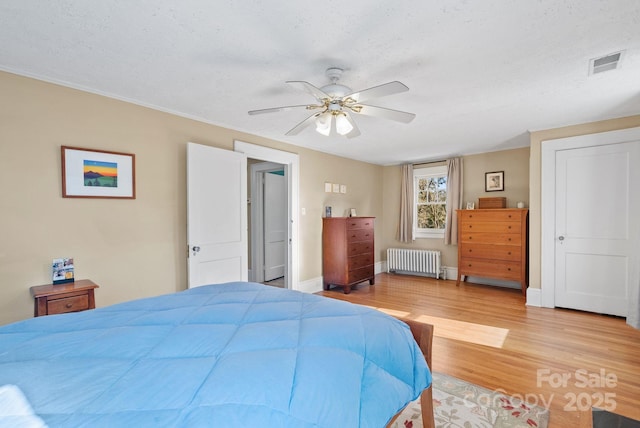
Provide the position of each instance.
(68, 304)
(53, 299)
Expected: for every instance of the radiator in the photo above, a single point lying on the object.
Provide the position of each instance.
(413, 261)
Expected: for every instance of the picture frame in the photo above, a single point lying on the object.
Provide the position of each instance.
(90, 173)
(494, 181)
(471, 205)
(352, 212)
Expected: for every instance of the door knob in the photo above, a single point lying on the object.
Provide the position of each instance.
(195, 250)
(560, 238)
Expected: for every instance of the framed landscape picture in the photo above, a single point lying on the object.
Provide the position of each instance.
(88, 173)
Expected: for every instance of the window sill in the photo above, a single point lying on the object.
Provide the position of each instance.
(429, 235)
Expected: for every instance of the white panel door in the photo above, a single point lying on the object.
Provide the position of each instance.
(595, 224)
(275, 225)
(216, 215)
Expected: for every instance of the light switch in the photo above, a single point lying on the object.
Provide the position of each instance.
(303, 211)
(343, 188)
(327, 187)
(336, 188)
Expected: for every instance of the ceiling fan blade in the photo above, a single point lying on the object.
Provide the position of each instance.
(386, 113)
(383, 90)
(310, 89)
(304, 124)
(284, 108)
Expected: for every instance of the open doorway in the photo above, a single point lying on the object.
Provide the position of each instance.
(291, 163)
(268, 222)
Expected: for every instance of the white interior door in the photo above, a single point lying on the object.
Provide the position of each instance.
(216, 215)
(275, 225)
(596, 242)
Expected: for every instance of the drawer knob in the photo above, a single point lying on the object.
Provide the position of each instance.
(68, 305)
(469, 264)
(470, 250)
(509, 227)
(509, 253)
(509, 269)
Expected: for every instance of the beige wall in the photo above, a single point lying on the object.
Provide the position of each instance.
(535, 179)
(514, 163)
(131, 248)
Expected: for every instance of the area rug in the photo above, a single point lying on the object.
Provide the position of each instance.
(457, 403)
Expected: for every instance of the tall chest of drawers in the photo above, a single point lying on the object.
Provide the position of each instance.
(492, 243)
(347, 251)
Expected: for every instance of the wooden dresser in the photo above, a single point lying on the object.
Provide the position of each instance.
(492, 243)
(347, 251)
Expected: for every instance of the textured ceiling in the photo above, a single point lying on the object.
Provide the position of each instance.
(481, 73)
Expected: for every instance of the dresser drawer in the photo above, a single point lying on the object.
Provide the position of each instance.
(500, 215)
(491, 226)
(492, 252)
(362, 247)
(68, 304)
(359, 223)
(362, 260)
(490, 238)
(357, 235)
(493, 269)
(359, 275)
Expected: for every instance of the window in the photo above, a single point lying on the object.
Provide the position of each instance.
(430, 201)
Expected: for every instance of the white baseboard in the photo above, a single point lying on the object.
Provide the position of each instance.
(380, 267)
(310, 285)
(534, 297)
(450, 273)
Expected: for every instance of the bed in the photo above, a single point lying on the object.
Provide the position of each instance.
(234, 355)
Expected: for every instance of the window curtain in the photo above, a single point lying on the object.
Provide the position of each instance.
(405, 225)
(454, 199)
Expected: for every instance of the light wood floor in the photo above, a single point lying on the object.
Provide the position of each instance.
(565, 360)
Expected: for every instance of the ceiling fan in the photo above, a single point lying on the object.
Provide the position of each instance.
(336, 103)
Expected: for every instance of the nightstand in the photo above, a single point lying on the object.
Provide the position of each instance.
(61, 298)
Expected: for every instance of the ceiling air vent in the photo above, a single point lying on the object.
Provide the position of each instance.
(605, 63)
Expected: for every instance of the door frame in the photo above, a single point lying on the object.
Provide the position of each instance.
(256, 237)
(291, 163)
(548, 198)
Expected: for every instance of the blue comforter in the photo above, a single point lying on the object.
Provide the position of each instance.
(227, 355)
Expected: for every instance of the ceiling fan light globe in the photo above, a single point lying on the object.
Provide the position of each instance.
(343, 126)
(323, 124)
